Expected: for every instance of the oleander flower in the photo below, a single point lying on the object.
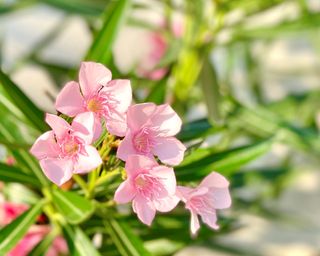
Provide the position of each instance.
(9, 211)
(210, 195)
(150, 132)
(34, 236)
(151, 187)
(67, 148)
(97, 93)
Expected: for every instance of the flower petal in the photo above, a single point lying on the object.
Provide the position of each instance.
(183, 193)
(45, 146)
(89, 161)
(144, 210)
(169, 150)
(218, 189)
(117, 124)
(121, 91)
(83, 126)
(139, 114)
(166, 204)
(136, 163)
(210, 220)
(59, 126)
(167, 178)
(194, 223)
(58, 171)
(166, 120)
(92, 76)
(126, 147)
(124, 193)
(70, 101)
(215, 180)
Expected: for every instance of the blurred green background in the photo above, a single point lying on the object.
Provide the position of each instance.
(243, 74)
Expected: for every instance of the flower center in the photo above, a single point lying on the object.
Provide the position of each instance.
(102, 103)
(71, 148)
(143, 141)
(148, 186)
(94, 105)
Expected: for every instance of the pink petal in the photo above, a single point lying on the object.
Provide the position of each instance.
(83, 126)
(121, 91)
(221, 197)
(167, 177)
(166, 120)
(166, 204)
(70, 101)
(169, 150)
(194, 223)
(124, 193)
(210, 220)
(126, 147)
(183, 193)
(117, 124)
(45, 146)
(139, 114)
(198, 192)
(92, 76)
(26, 244)
(215, 180)
(144, 210)
(218, 189)
(137, 163)
(87, 161)
(59, 126)
(58, 171)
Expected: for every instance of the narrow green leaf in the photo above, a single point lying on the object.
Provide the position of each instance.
(196, 129)
(158, 92)
(11, 234)
(201, 162)
(114, 17)
(84, 7)
(42, 247)
(14, 174)
(126, 241)
(210, 90)
(73, 207)
(31, 111)
(79, 244)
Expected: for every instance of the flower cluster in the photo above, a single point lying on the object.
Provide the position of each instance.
(149, 147)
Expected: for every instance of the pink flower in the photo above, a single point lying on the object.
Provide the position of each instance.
(97, 93)
(10, 211)
(147, 67)
(150, 132)
(149, 186)
(211, 194)
(66, 149)
(33, 237)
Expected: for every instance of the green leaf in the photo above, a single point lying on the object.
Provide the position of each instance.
(11, 234)
(84, 7)
(203, 161)
(196, 129)
(126, 241)
(158, 92)
(73, 207)
(79, 244)
(30, 110)
(210, 90)
(14, 174)
(114, 17)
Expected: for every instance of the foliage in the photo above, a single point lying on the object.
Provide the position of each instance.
(87, 210)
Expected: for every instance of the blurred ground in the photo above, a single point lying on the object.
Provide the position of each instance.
(19, 34)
